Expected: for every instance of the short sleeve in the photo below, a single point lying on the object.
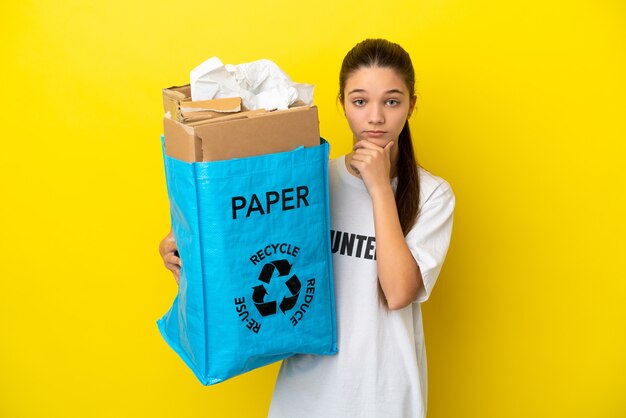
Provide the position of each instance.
(429, 238)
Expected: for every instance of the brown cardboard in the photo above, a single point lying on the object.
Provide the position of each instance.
(221, 117)
(230, 104)
(181, 141)
(172, 97)
(259, 134)
(191, 111)
(242, 134)
(177, 101)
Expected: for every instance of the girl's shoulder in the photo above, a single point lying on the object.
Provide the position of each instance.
(433, 187)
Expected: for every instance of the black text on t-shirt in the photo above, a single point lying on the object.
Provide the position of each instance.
(354, 245)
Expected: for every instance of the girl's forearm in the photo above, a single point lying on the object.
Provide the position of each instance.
(398, 273)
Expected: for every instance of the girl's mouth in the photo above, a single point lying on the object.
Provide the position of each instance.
(374, 133)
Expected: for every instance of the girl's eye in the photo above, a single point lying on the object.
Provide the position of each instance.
(359, 102)
(393, 102)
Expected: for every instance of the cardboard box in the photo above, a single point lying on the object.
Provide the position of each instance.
(177, 102)
(242, 134)
(172, 97)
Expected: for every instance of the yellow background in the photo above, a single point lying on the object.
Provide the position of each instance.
(522, 109)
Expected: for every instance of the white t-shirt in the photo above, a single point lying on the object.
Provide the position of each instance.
(380, 369)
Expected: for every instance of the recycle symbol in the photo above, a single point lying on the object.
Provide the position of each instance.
(276, 270)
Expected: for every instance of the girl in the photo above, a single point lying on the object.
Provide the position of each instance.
(379, 196)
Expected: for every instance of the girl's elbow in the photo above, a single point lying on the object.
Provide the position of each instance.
(404, 288)
(403, 297)
(402, 300)
(395, 305)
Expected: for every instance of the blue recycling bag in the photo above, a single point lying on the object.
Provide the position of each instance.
(256, 282)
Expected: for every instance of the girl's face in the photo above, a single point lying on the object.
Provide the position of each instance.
(377, 104)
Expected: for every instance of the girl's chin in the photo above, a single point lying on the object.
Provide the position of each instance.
(381, 142)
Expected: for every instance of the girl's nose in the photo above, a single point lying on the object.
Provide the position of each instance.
(376, 115)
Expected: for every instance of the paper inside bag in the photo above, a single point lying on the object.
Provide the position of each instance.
(261, 84)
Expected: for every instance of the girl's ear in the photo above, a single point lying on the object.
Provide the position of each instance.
(412, 106)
